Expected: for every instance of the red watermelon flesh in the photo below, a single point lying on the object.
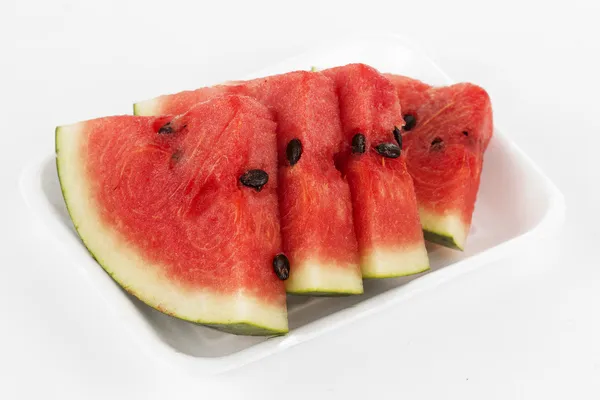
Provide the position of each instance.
(453, 127)
(386, 219)
(314, 199)
(159, 203)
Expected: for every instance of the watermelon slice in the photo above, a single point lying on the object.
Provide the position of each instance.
(182, 211)
(315, 204)
(447, 132)
(386, 219)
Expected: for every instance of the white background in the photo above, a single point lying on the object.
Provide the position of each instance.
(524, 328)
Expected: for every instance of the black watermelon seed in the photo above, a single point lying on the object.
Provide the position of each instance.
(437, 143)
(166, 129)
(410, 122)
(389, 150)
(281, 266)
(398, 136)
(465, 133)
(294, 151)
(358, 143)
(255, 178)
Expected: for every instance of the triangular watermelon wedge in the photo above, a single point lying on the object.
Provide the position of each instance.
(315, 204)
(447, 131)
(182, 211)
(386, 218)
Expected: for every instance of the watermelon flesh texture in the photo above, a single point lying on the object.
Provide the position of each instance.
(445, 151)
(386, 218)
(314, 199)
(166, 216)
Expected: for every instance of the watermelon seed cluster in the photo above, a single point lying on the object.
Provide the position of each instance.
(281, 266)
(358, 143)
(389, 150)
(294, 151)
(255, 178)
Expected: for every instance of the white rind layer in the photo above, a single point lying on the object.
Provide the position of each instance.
(392, 262)
(146, 108)
(449, 225)
(315, 277)
(138, 276)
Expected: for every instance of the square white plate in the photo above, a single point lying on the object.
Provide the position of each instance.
(516, 204)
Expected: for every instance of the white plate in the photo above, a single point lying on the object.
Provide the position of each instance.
(516, 204)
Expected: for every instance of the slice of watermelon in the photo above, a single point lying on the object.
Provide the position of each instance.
(315, 204)
(386, 219)
(450, 128)
(169, 208)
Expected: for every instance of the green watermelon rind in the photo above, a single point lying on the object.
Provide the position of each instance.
(324, 293)
(446, 229)
(145, 108)
(64, 193)
(412, 271)
(318, 277)
(395, 262)
(239, 327)
(243, 328)
(442, 239)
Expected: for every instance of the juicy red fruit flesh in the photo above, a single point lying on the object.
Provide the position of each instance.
(452, 129)
(179, 201)
(382, 213)
(314, 199)
(385, 211)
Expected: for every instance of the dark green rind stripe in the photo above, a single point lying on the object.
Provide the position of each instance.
(246, 329)
(398, 275)
(56, 132)
(443, 240)
(316, 293)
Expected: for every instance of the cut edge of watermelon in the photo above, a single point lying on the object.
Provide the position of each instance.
(446, 229)
(382, 262)
(234, 313)
(316, 278)
(146, 108)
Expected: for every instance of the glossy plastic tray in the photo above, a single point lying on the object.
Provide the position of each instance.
(516, 204)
